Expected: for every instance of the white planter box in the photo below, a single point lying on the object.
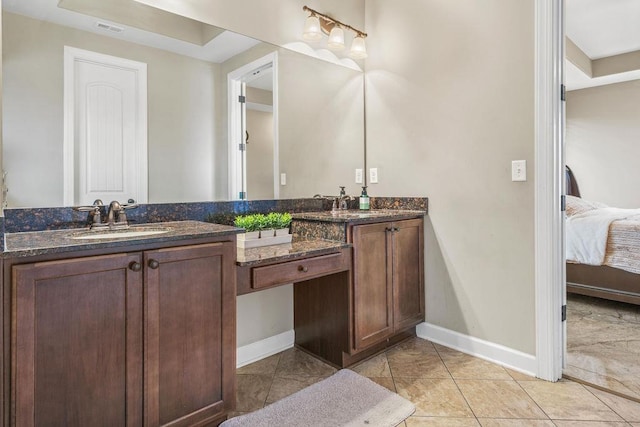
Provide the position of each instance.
(282, 231)
(245, 241)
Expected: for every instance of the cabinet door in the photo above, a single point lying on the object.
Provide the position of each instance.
(372, 290)
(408, 273)
(189, 334)
(78, 342)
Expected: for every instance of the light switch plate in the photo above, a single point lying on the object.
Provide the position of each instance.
(358, 176)
(519, 170)
(373, 175)
(283, 179)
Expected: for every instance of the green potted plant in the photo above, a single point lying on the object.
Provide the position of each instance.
(251, 225)
(260, 229)
(282, 222)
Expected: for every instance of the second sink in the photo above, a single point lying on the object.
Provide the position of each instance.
(121, 234)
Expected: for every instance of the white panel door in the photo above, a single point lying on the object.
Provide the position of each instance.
(109, 144)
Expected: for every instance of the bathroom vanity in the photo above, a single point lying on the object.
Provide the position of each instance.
(138, 326)
(115, 331)
(381, 300)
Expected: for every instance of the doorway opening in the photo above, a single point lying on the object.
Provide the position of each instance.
(253, 130)
(603, 219)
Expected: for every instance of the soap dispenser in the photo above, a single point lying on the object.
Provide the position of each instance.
(364, 199)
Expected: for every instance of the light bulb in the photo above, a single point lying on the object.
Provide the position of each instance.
(312, 31)
(336, 39)
(358, 48)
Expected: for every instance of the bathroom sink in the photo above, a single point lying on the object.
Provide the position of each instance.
(141, 231)
(357, 214)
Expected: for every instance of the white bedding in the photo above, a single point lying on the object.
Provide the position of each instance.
(588, 227)
(587, 233)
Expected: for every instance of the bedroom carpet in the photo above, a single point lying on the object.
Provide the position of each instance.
(447, 387)
(603, 344)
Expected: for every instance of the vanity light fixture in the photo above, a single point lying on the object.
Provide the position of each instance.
(318, 24)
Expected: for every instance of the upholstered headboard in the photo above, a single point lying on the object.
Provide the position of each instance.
(572, 184)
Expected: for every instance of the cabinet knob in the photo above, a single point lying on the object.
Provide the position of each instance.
(135, 266)
(153, 264)
(303, 268)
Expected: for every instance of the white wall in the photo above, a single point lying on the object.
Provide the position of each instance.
(181, 99)
(603, 142)
(450, 103)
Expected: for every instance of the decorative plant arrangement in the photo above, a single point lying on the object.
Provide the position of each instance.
(263, 230)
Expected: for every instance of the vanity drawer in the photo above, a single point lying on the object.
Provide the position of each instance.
(298, 270)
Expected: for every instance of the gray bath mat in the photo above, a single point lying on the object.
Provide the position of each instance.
(344, 399)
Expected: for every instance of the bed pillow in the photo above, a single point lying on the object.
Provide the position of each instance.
(576, 205)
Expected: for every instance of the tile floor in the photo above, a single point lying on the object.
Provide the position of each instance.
(603, 343)
(449, 388)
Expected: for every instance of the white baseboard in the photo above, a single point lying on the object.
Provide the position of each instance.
(264, 348)
(496, 353)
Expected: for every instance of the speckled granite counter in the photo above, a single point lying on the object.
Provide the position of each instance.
(288, 251)
(360, 217)
(333, 225)
(56, 241)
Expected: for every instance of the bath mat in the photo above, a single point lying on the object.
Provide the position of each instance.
(343, 399)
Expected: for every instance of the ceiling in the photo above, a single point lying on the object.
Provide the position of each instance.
(602, 28)
(159, 29)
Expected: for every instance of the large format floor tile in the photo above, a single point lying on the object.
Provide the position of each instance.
(603, 343)
(449, 389)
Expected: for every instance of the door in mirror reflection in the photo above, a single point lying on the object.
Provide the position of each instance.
(105, 135)
(253, 162)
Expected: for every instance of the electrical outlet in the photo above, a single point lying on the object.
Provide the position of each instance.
(358, 176)
(373, 176)
(283, 179)
(519, 170)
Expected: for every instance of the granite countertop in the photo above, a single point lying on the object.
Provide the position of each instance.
(56, 241)
(288, 251)
(360, 217)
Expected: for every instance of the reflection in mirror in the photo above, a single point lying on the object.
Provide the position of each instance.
(317, 128)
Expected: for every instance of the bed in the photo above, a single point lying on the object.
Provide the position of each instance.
(608, 268)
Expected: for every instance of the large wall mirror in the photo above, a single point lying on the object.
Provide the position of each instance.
(303, 135)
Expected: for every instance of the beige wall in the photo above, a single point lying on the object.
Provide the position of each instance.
(450, 103)
(181, 114)
(320, 149)
(603, 142)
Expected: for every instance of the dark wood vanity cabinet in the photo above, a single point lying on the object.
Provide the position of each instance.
(388, 279)
(78, 342)
(190, 328)
(127, 339)
(350, 316)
